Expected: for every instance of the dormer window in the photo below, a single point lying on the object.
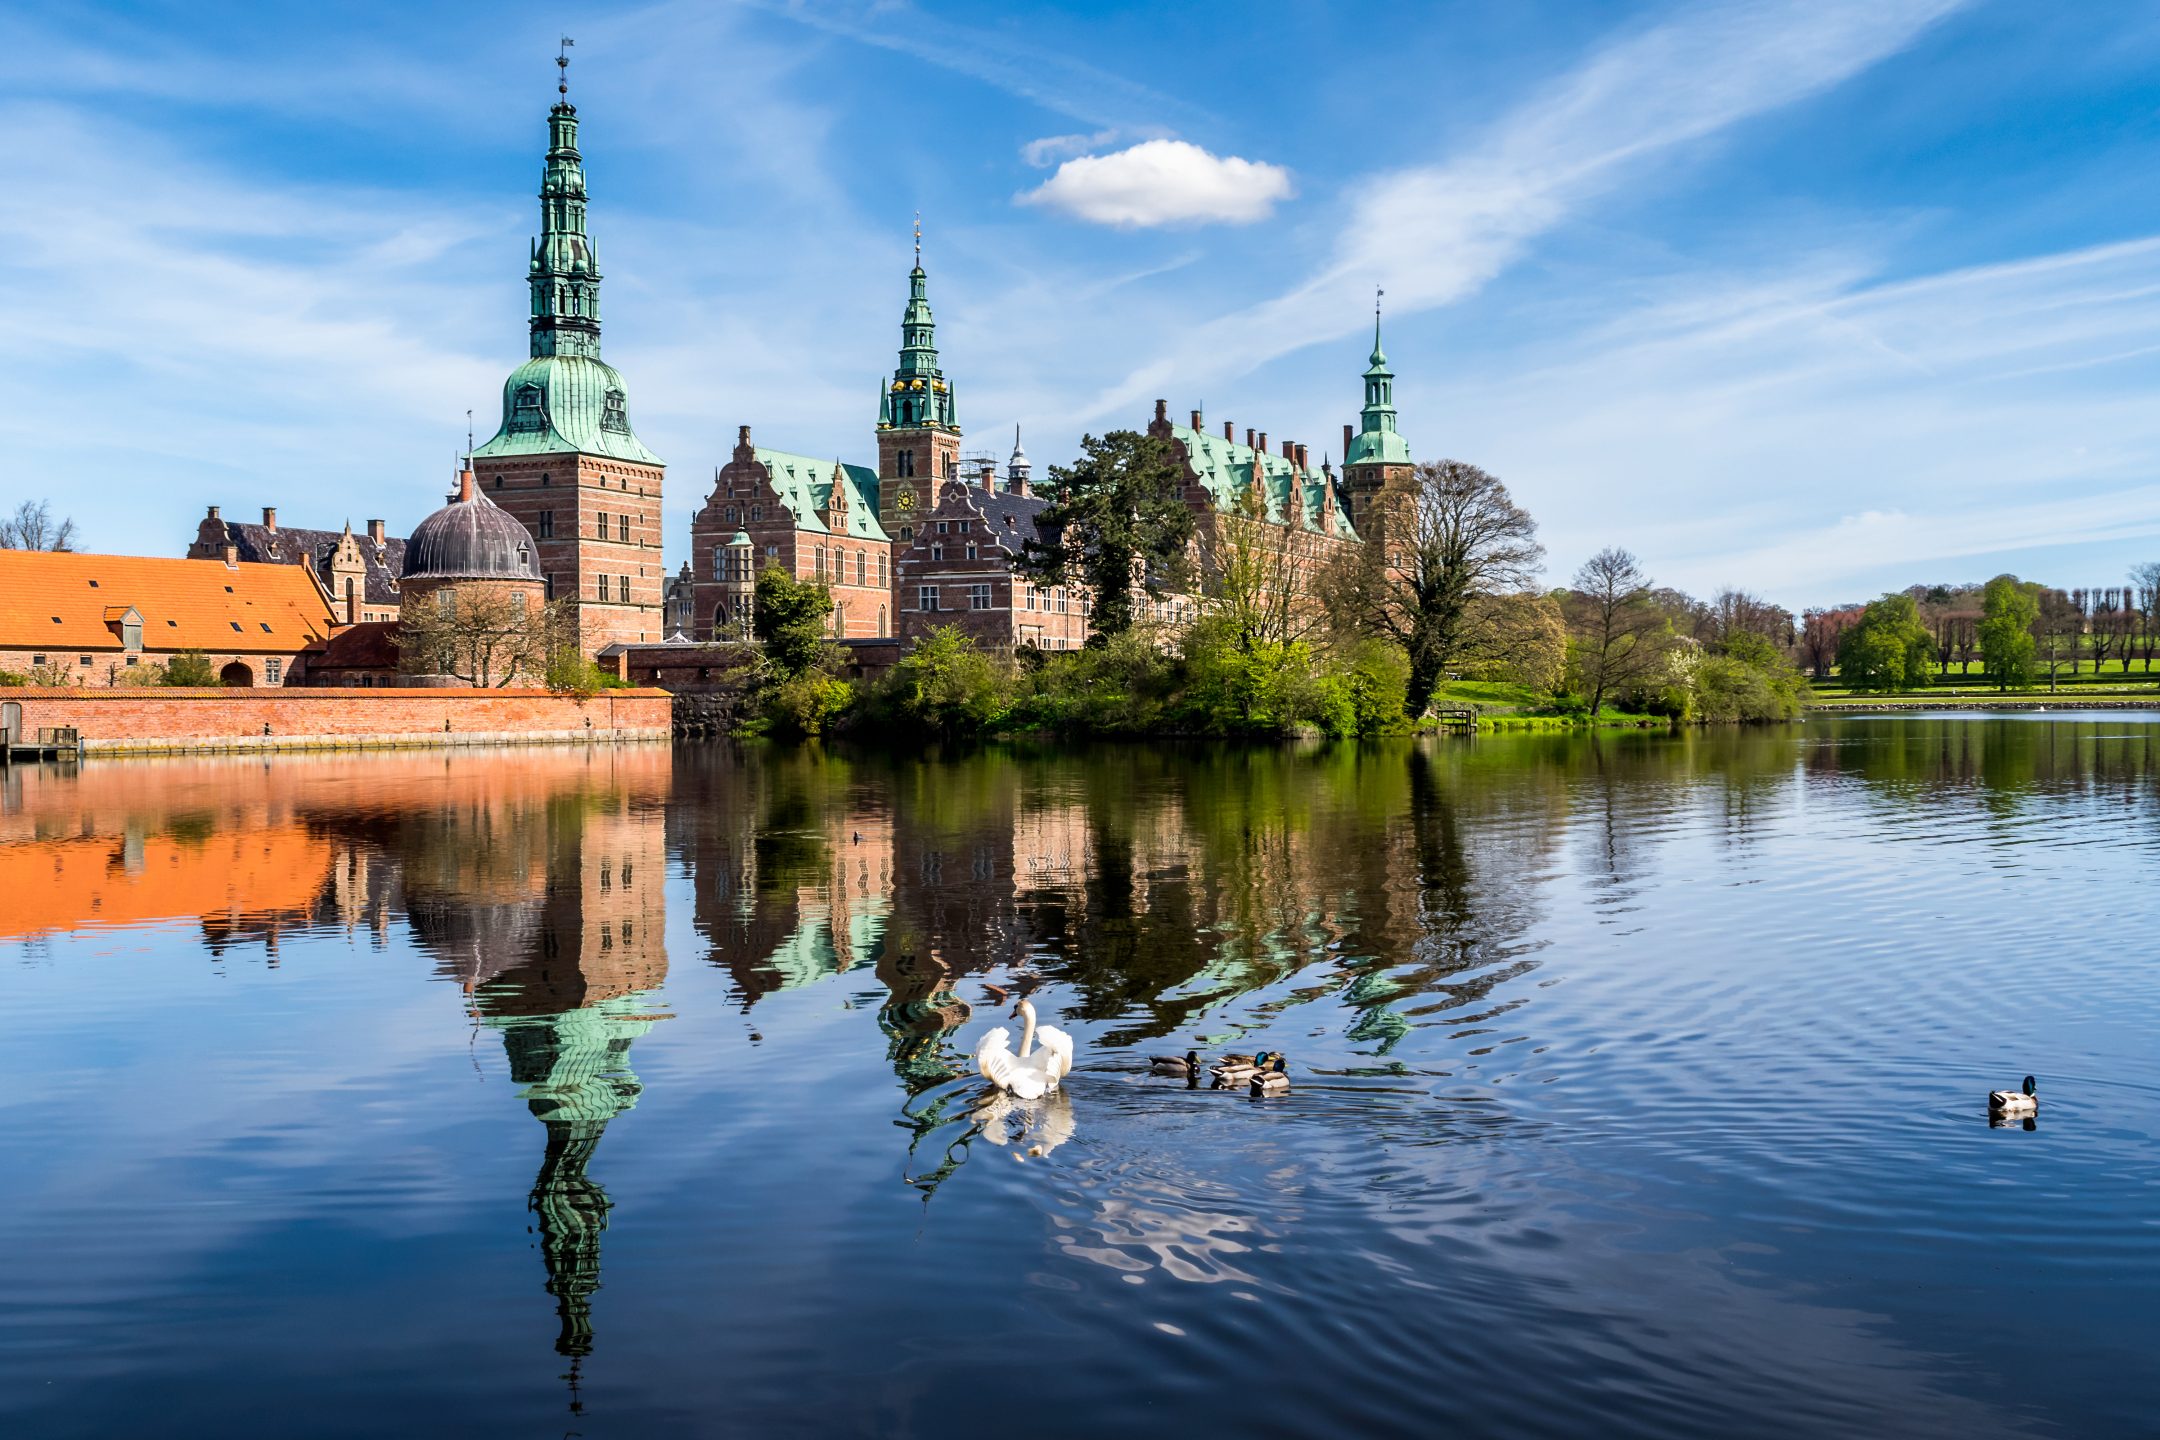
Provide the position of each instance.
(614, 413)
(528, 413)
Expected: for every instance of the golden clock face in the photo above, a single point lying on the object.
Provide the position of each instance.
(905, 500)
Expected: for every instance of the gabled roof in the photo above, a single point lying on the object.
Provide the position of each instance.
(370, 645)
(805, 487)
(1226, 471)
(1014, 519)
(291, 545)
(59, 601)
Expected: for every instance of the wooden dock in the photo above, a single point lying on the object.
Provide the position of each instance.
(1456, 719)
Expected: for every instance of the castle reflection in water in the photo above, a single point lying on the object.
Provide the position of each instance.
(538, 881)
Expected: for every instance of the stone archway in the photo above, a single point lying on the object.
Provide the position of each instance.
(237, 676)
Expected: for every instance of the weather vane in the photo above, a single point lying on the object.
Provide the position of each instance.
(562, 67)
(468, 437)
(1376, 294)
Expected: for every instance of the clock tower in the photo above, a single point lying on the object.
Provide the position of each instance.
(918, 428)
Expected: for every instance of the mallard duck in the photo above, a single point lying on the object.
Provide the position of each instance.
(2014, 1102)
(1272, 1080)
(1237, 1069)
(1181, 1067)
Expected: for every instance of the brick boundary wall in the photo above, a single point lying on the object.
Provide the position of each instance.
(118, 722)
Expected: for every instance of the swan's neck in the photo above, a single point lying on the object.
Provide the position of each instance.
(1027, 1035)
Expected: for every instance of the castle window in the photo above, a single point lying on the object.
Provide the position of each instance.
(731, 515)
(527, 412)
(547, 524)
(904, 462)
(978, 597)
(926, 598)
(273, 671)
(944, 527)
(518, 601)
(547, 584)
(601, 530)
(971, 550)
(861, 567)
(622, 528)
(881, 568)
(907, 532)
(937, 552)
(613, 413)
(757, 512)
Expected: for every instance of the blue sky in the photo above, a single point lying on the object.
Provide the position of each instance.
(1814, 298)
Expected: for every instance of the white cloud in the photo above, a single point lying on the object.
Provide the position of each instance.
(1163, 182)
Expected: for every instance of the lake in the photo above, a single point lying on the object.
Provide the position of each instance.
(1639, 1088)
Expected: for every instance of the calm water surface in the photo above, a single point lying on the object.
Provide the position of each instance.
(1639, 1089)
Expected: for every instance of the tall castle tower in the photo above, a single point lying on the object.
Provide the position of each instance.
(918, 428)
(1375, 455)
(565, 461)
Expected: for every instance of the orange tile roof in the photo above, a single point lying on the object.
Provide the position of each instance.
(60, 601)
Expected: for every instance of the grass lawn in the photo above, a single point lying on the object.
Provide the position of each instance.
(1503, 706)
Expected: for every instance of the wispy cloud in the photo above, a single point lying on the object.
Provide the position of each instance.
(1434, 234)
(1163, 182)
(1871, 429)
(1055, 80)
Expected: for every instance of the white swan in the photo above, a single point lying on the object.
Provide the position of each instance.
(1031, 1072)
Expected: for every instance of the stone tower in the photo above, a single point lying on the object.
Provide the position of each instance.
(918, 428)
(565, 461)
(1375, 455)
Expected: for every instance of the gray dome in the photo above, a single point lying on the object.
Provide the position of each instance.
(471, 538)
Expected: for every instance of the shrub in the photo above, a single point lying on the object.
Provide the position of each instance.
(947, 685)
(806, 705)
(190, 668)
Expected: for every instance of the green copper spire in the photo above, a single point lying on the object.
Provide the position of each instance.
(565, 273)
(565, 398)
(919, 397)
(1377, 439)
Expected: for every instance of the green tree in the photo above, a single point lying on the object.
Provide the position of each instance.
(1118, 519)
(947, 684)
(791, 619)
(2008, 610)
(190, 668)
(1888, 648)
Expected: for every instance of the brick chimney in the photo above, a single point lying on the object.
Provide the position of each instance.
(1347, 432)
(1195, 419)
(213, 512)
(375, 532)
(1162, 412)
(1301, 462)
(270, 518)
(989, 477)
(1248, 437)
(1262, 446)
(232, 557)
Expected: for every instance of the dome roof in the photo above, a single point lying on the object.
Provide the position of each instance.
(471, 538)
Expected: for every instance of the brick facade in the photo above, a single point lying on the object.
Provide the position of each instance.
(958, 570)
(119, 721)
(830, 544)
(595, 523)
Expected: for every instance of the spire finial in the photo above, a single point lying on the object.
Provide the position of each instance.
(918, 239)
(562, 68)
(468, 437)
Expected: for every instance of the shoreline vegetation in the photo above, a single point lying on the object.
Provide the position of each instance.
(1431, 617)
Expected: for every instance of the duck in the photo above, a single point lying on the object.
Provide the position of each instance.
(1271, 1080)
(1237, 1069)
(1180, 1067)
(2014, 1102)
(1028, 1073)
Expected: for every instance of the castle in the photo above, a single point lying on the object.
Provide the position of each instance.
(917, 541)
